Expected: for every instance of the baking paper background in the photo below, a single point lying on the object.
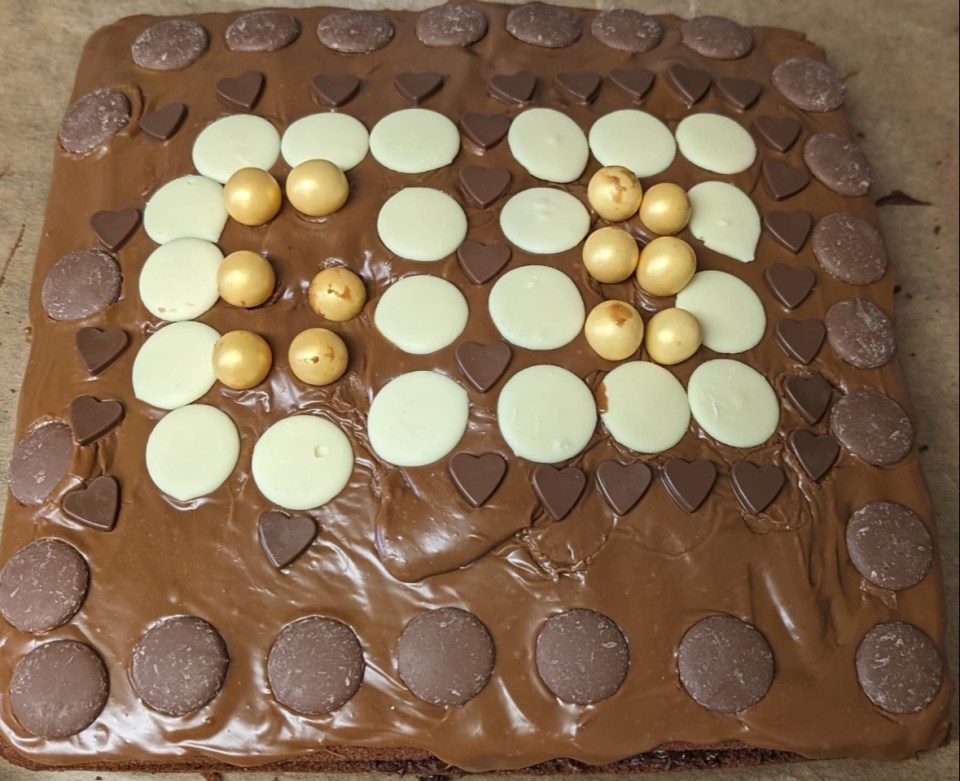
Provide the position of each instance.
(900, 59)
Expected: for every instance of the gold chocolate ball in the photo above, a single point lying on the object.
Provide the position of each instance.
(673, 335)
(318, 356)
(252, 196)
(317, 188)
(245, 279)
(610, 255)
(614, 193)
(666, 265)
(241, 359)
(337, 294)
(614, 329)
(665, 209)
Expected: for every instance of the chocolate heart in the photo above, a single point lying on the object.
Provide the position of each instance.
(783, 180)
(688, 482)
(284, 537)
(739, 93)
(98, 348)
(482, 262)
(515, 88)
(95, 505)
(690, 84)
(778, 132)
(558, 489)
(483, 185)
(756, 486)
(810, 395)
(580, 87)
(417, 87)
(483, 364)
(114, 228)
(335, 89)
(636, 82)
(623, 485)
(92, 419)
(485, 130)
(161, 124)
(241, 92)
(801, 339)
(816, 454)
(789, 228)
(477, 477)
(790, 284)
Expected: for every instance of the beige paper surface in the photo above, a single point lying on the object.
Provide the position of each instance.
(901, 63)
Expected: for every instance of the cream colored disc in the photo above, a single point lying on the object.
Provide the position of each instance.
(537, 307)
(175, 365)
(634, 139)
(716, 143)
(647, 409)
(190, 207)
(730, 314)
(420, 223)
(421, 314)
(179, 279)
(544, 221)
(549, 144)
(339, 138)
(733, 403)
(724, 218)
(414, 141)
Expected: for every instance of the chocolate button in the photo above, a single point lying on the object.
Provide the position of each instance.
(113, 228)
(483, 364)
(315, 665)
(810, 395)
(80, 284)
(477, 477)
(43, 585)
(860, 333)
(262, 31)
(170, 45)
(739, 93)
(626, 30)
(355, 32)
(179, 665)
(93, 119)
(790, 229)
(335, 89)
(809, 84)
(417, 87)
(636, 82)
(544, 25)
(160, 125)
(91, 419)
(582, 656)
(623, 485)
(558, 489)
(725, 664)
(485, 130)
(451, 25)
(688, 482)
(872, 426)
(58, 689)
(690, 84)
(816, 454)
(801, 339)
(96, 505)
(849, 248)
(889, 545)
(40, 461)
(778, 132)
(756, 486)
(483, 186)
(241, 92)
(838, 163)
(790, 285)
(899, 667)
(99, 348)
(445, 656)
(284, 538)
(717, 37)
(782, 179)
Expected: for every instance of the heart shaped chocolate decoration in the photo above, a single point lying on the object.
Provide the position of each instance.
(688, 482)
(789, 228)
(417, 87)
(284, 537)
(95, 505)
(801, 339)
(335, 89)
(241, 92)
(485, 130)
(513, 89)
(809, 395)
(580, 87)
(739, 93)
(98, 348)
(92, 419)
(483, 186)
(558, 489)
(477, 477)
(783, 180)
(756, 486)
(161, 124)
(623, 485)
(816, 454)
(114, 228)
(778, 132)
(790, 285)
(690, 84)
(483, 364)
(636, 82)
(482, 262)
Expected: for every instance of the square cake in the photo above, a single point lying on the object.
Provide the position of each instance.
(486, 388)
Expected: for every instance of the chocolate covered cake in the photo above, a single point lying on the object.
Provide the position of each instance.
(478, 389)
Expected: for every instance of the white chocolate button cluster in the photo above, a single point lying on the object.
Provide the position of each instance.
(420, 223)
(421, 314)
(716, 143)
(544, 221)
(730, 314)
(549, 145)
(190, 207)
(724, 218)
(733, 403)
(179, 279)
(646, 407)
(634, 139)
(238, 141)
(537, 307)
(175, 365)
(414, 141)
(339, 138)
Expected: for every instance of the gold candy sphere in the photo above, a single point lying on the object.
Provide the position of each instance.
(337, 294)
(241, 359)
(614, 329)
(317, 188)
(318, 356)
(610, 254)
(245, 279)
(614, 193)
(673, 335)
(252, 196)
(665, 209)
(666, 265)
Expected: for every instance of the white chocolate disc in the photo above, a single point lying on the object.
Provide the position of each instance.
(238, 141)
(339, 138)
(546, 414)
(724, 218)
(417, 418)
(414, 140)
(179, 279)
(302, 462)
(537, 307)
(421, 314)
(647, 409)
(191, 451)
(730, 314)
(175, 365)
(733, 403)
(420, 223)
(550, 145)
(190, 207)
(634, 139)
(716, 143)
(544, 221)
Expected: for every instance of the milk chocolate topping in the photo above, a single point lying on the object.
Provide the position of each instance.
(396, 543)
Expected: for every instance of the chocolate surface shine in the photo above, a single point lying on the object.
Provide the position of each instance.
(396, 543)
